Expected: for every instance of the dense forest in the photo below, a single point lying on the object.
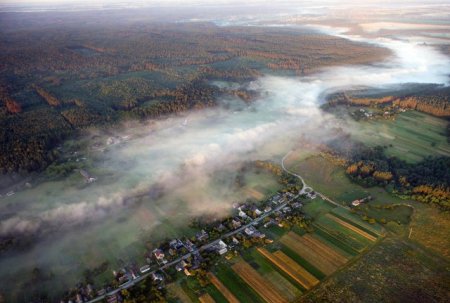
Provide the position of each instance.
(69, 77)
(427, 181)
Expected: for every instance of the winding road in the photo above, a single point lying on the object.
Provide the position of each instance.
(305, 189)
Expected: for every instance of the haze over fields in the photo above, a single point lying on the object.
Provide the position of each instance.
(162, 172)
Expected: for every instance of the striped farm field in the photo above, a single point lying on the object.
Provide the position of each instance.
(265, 289)
(352, 238)
(222, 288)
(178, 292)
(307, 251)
(374, 229)
(206, 298)
(352, 228)
(290, 267)
(323, 249)
(236, 284)
(341, 235)
(288, 288)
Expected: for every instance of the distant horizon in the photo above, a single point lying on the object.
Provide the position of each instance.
(215, 2)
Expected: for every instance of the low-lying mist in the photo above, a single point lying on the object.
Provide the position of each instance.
(175, 168)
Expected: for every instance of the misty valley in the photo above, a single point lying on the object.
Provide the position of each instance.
(197, 152)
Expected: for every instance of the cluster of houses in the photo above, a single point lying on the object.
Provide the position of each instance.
(243, 224)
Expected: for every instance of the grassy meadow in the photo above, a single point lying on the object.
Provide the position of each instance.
(411, 137)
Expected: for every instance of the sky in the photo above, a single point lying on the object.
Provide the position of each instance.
(163, 2)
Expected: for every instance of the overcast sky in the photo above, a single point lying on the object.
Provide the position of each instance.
(162, 2)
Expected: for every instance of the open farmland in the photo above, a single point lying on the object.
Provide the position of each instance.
(430, 227)
(291, 268)
(350, 239)
(206, 298)
(394, 269)
(344, 214)
(318, 207)
(323, 249)
(352, 228)
(307, 251)
(176, 291)
(411, 136)
(284, 284)
(237, 285)
(222, 288)
(259, 284)
(331, 180)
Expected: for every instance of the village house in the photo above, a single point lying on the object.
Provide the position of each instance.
(256, 211)
(242, 214)
(159, 255)
(189, 245)
(356, 202)
(203, 235)
(221, 247)
(267, 224)
(176, 244)
(236, 223)
(157, 277)
(181, 265)
(221, 227)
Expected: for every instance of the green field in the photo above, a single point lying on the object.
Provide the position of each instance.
(400, 214)
(235, 284)
(331, 180)
(187, 289)
(374, 229)
(260, 182)
(215, 294)
(282, 282)
(357, 241)
(306, 265)
(317, 207)
(411, 137)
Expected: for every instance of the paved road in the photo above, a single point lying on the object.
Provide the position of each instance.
(304, 190)
(206, 246)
